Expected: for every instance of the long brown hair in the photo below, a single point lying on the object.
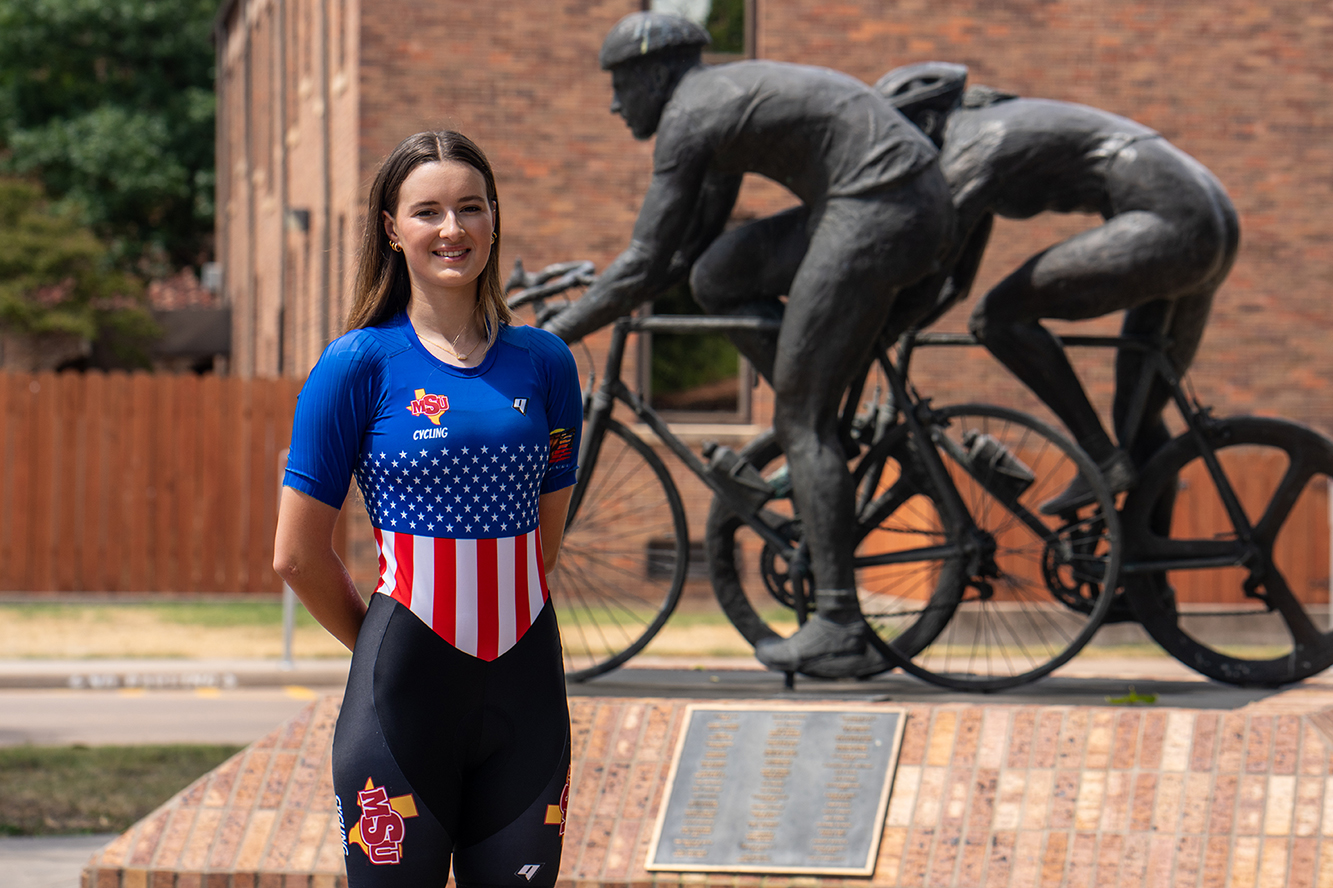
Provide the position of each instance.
(382, 284)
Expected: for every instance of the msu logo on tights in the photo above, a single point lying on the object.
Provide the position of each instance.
(379, 831)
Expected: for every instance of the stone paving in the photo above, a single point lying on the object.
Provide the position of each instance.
(985, 795)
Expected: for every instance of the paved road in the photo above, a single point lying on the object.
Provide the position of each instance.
(133, 715)
(125, 716)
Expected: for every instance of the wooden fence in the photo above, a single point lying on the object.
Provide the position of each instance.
(140, 483)
(148, 483)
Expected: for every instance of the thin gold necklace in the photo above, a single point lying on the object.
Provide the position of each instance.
(452, 347)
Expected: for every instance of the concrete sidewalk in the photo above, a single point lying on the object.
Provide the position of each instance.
(47, 861)
(228, 674)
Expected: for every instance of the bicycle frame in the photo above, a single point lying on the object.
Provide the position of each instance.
(599, 403)
(1198, 422)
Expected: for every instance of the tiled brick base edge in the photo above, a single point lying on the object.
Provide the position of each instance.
(998, 795)
(265, 818)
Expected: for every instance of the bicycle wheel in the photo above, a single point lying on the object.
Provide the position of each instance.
(979, 609)
(623, 560)
(1034, 588)
(1263, 619)
(755, 584)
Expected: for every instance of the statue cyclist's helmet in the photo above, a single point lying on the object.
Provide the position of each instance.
(925, 93)
(648, 33)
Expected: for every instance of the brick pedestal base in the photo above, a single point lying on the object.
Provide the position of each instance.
(995, 795)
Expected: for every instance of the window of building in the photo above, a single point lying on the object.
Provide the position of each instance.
(694, 377)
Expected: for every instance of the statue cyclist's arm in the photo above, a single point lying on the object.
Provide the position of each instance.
(685, 208)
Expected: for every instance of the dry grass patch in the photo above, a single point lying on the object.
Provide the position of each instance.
(242, 630)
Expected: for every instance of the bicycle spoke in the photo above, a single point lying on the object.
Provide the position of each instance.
(607, 606)
(1293, 612)
(604, 536)
(1289, 489)
(610, 607)
(630, 575)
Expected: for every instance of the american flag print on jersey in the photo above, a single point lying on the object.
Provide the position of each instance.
(502, 583)
(450, 472)
(458, 491)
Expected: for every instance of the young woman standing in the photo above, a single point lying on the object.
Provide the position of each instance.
(461, 430)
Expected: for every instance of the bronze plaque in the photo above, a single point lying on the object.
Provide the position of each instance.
(778, 789)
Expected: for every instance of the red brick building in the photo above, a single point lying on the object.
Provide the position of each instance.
(314, 93)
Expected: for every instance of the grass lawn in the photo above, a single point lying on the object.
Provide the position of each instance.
(54, 790)
(253, 629)
(241, 629)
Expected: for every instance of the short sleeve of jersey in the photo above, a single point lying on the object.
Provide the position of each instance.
(335, 406)
(564, 406)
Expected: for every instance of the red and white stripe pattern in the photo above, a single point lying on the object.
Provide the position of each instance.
(478, 595)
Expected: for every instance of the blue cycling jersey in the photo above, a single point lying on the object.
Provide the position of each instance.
(439, 450)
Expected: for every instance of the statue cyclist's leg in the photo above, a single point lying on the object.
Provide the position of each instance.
(745, 271)
(1134, 259)
(1182, 321)
(862, 251)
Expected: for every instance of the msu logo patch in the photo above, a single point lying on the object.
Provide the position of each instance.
(430, 406)
(383, 824)
(557, 814)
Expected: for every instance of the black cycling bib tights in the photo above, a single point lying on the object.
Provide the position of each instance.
(441, 755)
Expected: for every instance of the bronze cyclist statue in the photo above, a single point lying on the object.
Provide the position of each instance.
(1168, 240)
(876, 216)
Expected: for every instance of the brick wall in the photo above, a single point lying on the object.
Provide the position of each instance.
(288, 191)
(1239, 85)
(1242, 86)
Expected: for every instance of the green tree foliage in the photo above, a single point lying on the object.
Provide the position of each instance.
(726, 25)
(110, 104)
(54, 275)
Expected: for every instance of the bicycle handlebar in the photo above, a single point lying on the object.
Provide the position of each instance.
(550, 281)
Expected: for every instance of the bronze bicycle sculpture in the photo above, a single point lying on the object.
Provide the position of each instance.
(945, 522)
(1241, 548)
(1166, 244)
(878, 217)
(963, 579)
(816, 296)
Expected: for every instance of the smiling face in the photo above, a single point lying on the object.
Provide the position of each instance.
(443, 222)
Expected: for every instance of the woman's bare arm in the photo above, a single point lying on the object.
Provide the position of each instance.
(552, 508)
(303, 556)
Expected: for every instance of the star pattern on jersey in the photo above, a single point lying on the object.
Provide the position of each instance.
(479, 491)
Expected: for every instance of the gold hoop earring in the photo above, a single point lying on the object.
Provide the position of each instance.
(393, 245)
(495, 236)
